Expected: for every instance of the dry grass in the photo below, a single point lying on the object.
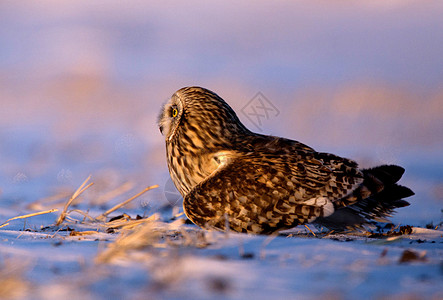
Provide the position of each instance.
(73, 223)
(77, 193)
(135, 233)
(68, 220)
(6, 223)
(105, 214)
(137, 238)
(88, 224)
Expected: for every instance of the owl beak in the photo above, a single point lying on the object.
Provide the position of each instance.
(161, 129)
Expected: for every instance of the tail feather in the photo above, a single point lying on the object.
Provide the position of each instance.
(381, 205)
(375, 199)
(388, 174)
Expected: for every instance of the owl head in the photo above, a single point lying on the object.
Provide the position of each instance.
(195, 113)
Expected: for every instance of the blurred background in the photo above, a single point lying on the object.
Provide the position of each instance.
(81, 85)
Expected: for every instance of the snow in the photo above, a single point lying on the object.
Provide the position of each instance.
(233, 267)
(81, 85)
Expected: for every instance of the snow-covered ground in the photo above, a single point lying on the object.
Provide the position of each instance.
(81, 85)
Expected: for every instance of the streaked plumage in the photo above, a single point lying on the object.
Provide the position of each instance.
(254, 183)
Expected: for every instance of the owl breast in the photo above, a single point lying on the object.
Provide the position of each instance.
(190, 169)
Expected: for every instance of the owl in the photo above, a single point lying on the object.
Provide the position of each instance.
(234, 179)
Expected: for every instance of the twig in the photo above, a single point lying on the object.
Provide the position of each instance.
(127, 224)
(83, 233)
(29, 215)
(310, 230)
(77, 193)
(84, 214)
(329, 233)
(138, 238)
(105, 214)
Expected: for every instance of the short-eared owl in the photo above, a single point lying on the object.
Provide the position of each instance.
(254, 183)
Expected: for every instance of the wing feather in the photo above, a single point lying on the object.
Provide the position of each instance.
(264, 193)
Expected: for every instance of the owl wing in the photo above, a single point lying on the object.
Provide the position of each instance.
(264, 193)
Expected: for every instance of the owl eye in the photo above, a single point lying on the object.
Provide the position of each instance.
(174, 112)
